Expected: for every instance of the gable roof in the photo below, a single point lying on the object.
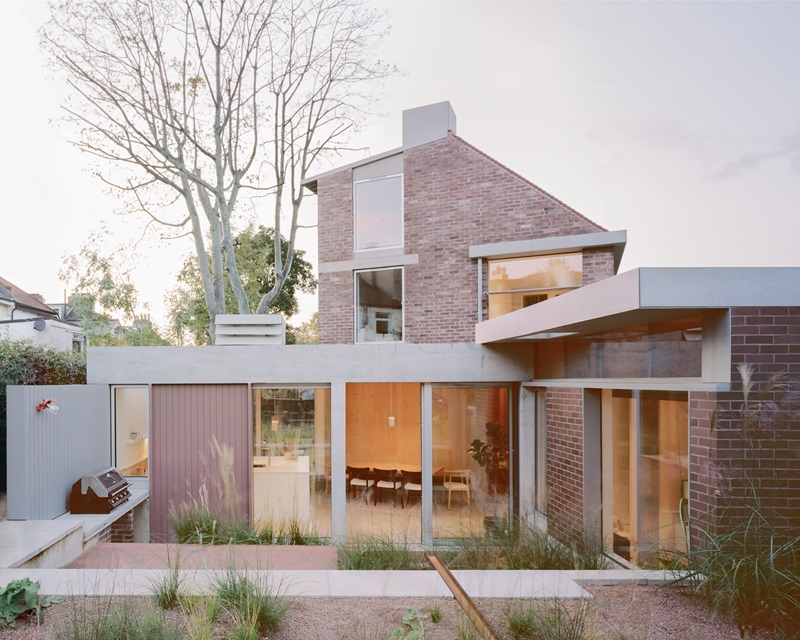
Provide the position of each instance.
(526, 181)
(24, 300)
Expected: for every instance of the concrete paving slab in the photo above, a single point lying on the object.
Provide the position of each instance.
(519, 584)
(311, 583)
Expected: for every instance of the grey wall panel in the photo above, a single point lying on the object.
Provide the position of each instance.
(311, 363)
(185, 418)
(48, 452)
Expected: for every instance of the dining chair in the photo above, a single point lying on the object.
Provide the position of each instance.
(388, 480)
(457, 480)
(360, 480)
(412, 482)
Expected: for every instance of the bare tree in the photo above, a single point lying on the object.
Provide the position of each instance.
(198, 103)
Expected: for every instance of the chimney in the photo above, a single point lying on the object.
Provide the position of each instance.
(428, 123)
(38, 297)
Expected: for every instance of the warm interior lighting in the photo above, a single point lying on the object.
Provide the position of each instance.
(391, 404)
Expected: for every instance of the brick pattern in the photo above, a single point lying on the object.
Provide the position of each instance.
(454, 197)
(703, 481)
(335, 233)
(121, 530)
(767, 455)
(598, 264)
(565, 463)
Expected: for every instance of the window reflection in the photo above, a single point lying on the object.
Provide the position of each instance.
(291, 458)
(515, 283)
(471, 466)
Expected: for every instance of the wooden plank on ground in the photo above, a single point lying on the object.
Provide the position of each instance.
(463, 599)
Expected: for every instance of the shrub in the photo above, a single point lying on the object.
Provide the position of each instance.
(750, 572)
(20, 598)
(117, 620)
(252, 606)
(523, 546)
(379, 554)
(550, 621)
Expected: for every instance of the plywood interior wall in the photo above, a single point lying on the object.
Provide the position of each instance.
(370, 439)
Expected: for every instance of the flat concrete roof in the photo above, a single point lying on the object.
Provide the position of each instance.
(645, 295)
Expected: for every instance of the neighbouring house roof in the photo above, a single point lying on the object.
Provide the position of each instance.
(23, 300)
(643, 296)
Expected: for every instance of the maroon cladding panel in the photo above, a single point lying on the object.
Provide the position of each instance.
(185, 419)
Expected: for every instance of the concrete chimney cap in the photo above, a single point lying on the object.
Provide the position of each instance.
(428, 123)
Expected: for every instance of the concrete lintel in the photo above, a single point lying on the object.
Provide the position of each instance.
(372, 262)
(310, 364)
(647, 295)
(556, 244)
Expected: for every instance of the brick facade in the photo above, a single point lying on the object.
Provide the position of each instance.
(731, 463)
(455, 196)
(121, 530)
(565, 463)
(726, 463)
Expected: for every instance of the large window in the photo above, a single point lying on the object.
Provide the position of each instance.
(378, 209)
(379, 305)
(291, 459)
(645, 473)
(132, 430)
(471, 461)
(515, 283)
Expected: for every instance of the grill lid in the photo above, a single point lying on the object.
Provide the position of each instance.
(103, 482)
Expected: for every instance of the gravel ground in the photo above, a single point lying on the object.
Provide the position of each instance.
(614, 613)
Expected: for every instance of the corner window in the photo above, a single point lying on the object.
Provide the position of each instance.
(515, 283)
(379, 305)
(378, 210)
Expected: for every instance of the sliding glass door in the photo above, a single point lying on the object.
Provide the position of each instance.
(645, 473)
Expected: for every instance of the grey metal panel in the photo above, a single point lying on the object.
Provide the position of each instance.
(536, 246)
(312, 364)
(185, 419)
(48, 452)
(375, 261)
(383, 167)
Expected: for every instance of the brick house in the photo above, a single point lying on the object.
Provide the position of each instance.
(477, 343)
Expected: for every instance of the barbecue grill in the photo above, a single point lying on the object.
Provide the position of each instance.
(101, 491)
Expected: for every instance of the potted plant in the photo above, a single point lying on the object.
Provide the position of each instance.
(492, 455)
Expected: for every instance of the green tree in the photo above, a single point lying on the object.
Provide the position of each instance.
(308, 332)
(105, 291)
(255, 255)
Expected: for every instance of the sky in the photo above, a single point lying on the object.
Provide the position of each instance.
(677, 121)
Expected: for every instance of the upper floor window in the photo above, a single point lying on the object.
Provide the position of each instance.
(378, 210)
(515, 283)
(379, 305)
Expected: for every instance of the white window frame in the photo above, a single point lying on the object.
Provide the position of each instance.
(402, 304)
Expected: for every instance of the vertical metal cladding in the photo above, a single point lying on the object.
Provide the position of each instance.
(186, 419)
(47, 452)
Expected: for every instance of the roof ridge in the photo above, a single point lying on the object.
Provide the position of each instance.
(526, 181)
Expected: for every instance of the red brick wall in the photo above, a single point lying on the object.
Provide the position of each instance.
(767, 454)
(335, 204)
(565, 463)
(598, 264)
(454, 197)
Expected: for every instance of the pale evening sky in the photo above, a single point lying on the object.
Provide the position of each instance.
(678, 121)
